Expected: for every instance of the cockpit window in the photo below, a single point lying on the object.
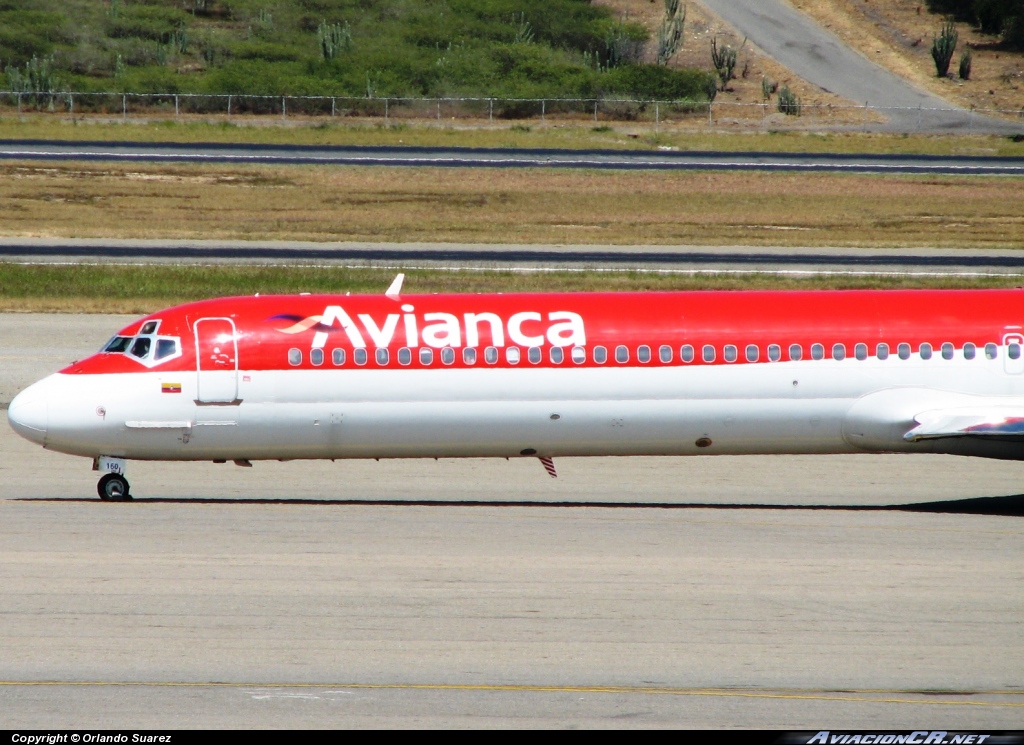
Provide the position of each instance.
(165, 348)
(118, 344)
(141, 347)
(149, 327)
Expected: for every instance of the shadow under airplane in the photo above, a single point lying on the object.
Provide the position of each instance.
(1008, 506)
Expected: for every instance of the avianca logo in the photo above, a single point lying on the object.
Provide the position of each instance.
(527, 329)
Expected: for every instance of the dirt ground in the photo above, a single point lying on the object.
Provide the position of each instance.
(898, 35)
(752, 66)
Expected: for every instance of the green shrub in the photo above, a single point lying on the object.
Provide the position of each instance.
(965, 65)
(657, 82)
(789, 103)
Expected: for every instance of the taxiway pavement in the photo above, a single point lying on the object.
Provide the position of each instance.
(454, 157)
(795, 261)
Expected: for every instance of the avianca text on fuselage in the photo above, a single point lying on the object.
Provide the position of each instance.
(558, 328)
(580, 374)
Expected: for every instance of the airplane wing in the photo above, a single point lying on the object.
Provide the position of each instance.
(1003, 423)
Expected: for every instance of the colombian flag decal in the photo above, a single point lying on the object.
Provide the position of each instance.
(170, 387)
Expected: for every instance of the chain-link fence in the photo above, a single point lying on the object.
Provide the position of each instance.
(718, 114)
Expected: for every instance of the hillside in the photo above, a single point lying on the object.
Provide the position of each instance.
(504, 48)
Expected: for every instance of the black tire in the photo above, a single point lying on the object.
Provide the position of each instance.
(113, 488)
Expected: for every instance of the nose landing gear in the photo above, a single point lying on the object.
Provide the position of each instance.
(113, 488)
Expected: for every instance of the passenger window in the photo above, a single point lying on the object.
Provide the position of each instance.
(338, 356)
(643, 353)
(512, 355)
(665, 353)
(140, 348)
(839, 351)
(405, 356)
(708, 353)
(882, 351)
(774, 352)
(1013, 350)
(491, 355)
(621, 354)
(469, 356)
(861, 351)
(817, 352)
(686, 353)
(533, 355)
(316, 356)
(903, 350)
(947, 351)
(729, 353)
(382, 357)
(165, 348)
(926, 351)
(579, 355)
(294, 357)
(796, 352)
(426, 356)
(118, 344)
(752, 353)
(600, 355)
(557, 355)
(359, 356)
(149, 327)
(969, 351)
(991, 352)
(447, 356)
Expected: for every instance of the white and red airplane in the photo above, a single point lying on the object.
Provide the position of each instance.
(543, 375)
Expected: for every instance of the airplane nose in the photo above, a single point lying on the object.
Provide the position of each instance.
(28, 415)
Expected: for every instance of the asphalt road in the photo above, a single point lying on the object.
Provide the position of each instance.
(507, 158)
(842, 592)
(478, 256)
(820, 57)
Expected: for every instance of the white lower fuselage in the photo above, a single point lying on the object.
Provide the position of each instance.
(810, 406)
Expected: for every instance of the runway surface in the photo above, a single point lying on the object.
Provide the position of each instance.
(482, 256)
(759, 592)
(509, 158)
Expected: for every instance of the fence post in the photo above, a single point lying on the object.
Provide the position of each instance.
(543, 110)
(709, 112)
(970, 122)
(438, 109)
(490, 112)
(764, 114)
(229, 106)
(332, 105)
(19, 103)
(386, 112)
(71, 104)
(919, 117)
(175, 105)
(657, 117)
(595, 110)
(864, 118)
(284, 108)
(124, 106)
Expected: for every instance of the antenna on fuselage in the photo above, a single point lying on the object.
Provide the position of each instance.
(395, 290)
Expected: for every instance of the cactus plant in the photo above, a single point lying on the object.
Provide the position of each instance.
(943, 47)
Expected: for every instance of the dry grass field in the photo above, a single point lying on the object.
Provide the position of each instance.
(507, 206)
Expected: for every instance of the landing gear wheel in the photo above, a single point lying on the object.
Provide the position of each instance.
(113, 488)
